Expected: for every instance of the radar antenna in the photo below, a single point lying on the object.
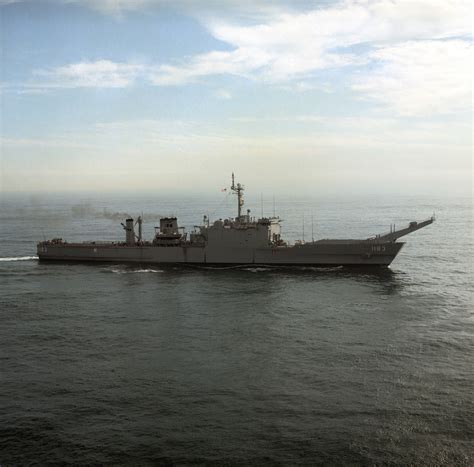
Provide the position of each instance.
(238, 189)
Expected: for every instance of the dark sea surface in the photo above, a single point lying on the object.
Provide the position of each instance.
(107, 363)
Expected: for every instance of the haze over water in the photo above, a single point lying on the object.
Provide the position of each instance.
(107, 363)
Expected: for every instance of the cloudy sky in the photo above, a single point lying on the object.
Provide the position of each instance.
(355, 96)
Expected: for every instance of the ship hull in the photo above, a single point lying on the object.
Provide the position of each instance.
(321, 253)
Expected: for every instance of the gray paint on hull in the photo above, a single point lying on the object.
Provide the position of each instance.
(347, 253)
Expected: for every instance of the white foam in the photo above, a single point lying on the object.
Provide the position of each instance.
(19, 258)
(133, 271)
(148, 270)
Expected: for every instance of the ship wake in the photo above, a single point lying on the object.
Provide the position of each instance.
(116, 270)
(18, 258)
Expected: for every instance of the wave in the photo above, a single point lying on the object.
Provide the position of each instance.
(258, 269)
(19, 258)
(132, 271)
(320, 268)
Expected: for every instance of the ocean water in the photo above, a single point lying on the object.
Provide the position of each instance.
(150, 364)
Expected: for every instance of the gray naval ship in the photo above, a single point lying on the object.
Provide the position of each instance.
(242, 240)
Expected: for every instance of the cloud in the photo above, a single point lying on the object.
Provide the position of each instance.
(236, 8)
(223, 94)
(118, 9)
(335, 154)
(411, 56)
(152, 137)
(43, 143)
(293, 45)
(115, 8)
(420, 78)
(376, 130)
(98, 74)
(239, 62)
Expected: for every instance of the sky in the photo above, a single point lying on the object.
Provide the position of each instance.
(324, 97)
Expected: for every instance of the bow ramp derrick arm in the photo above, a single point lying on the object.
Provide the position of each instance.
(412, 227)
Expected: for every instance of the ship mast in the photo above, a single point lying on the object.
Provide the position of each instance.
(239, 189)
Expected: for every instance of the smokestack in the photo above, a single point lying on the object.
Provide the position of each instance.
(129, 232)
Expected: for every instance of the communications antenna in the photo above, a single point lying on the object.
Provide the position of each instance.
(303, 227)
(239, 190)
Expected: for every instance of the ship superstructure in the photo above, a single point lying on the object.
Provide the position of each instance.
(233, 241)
